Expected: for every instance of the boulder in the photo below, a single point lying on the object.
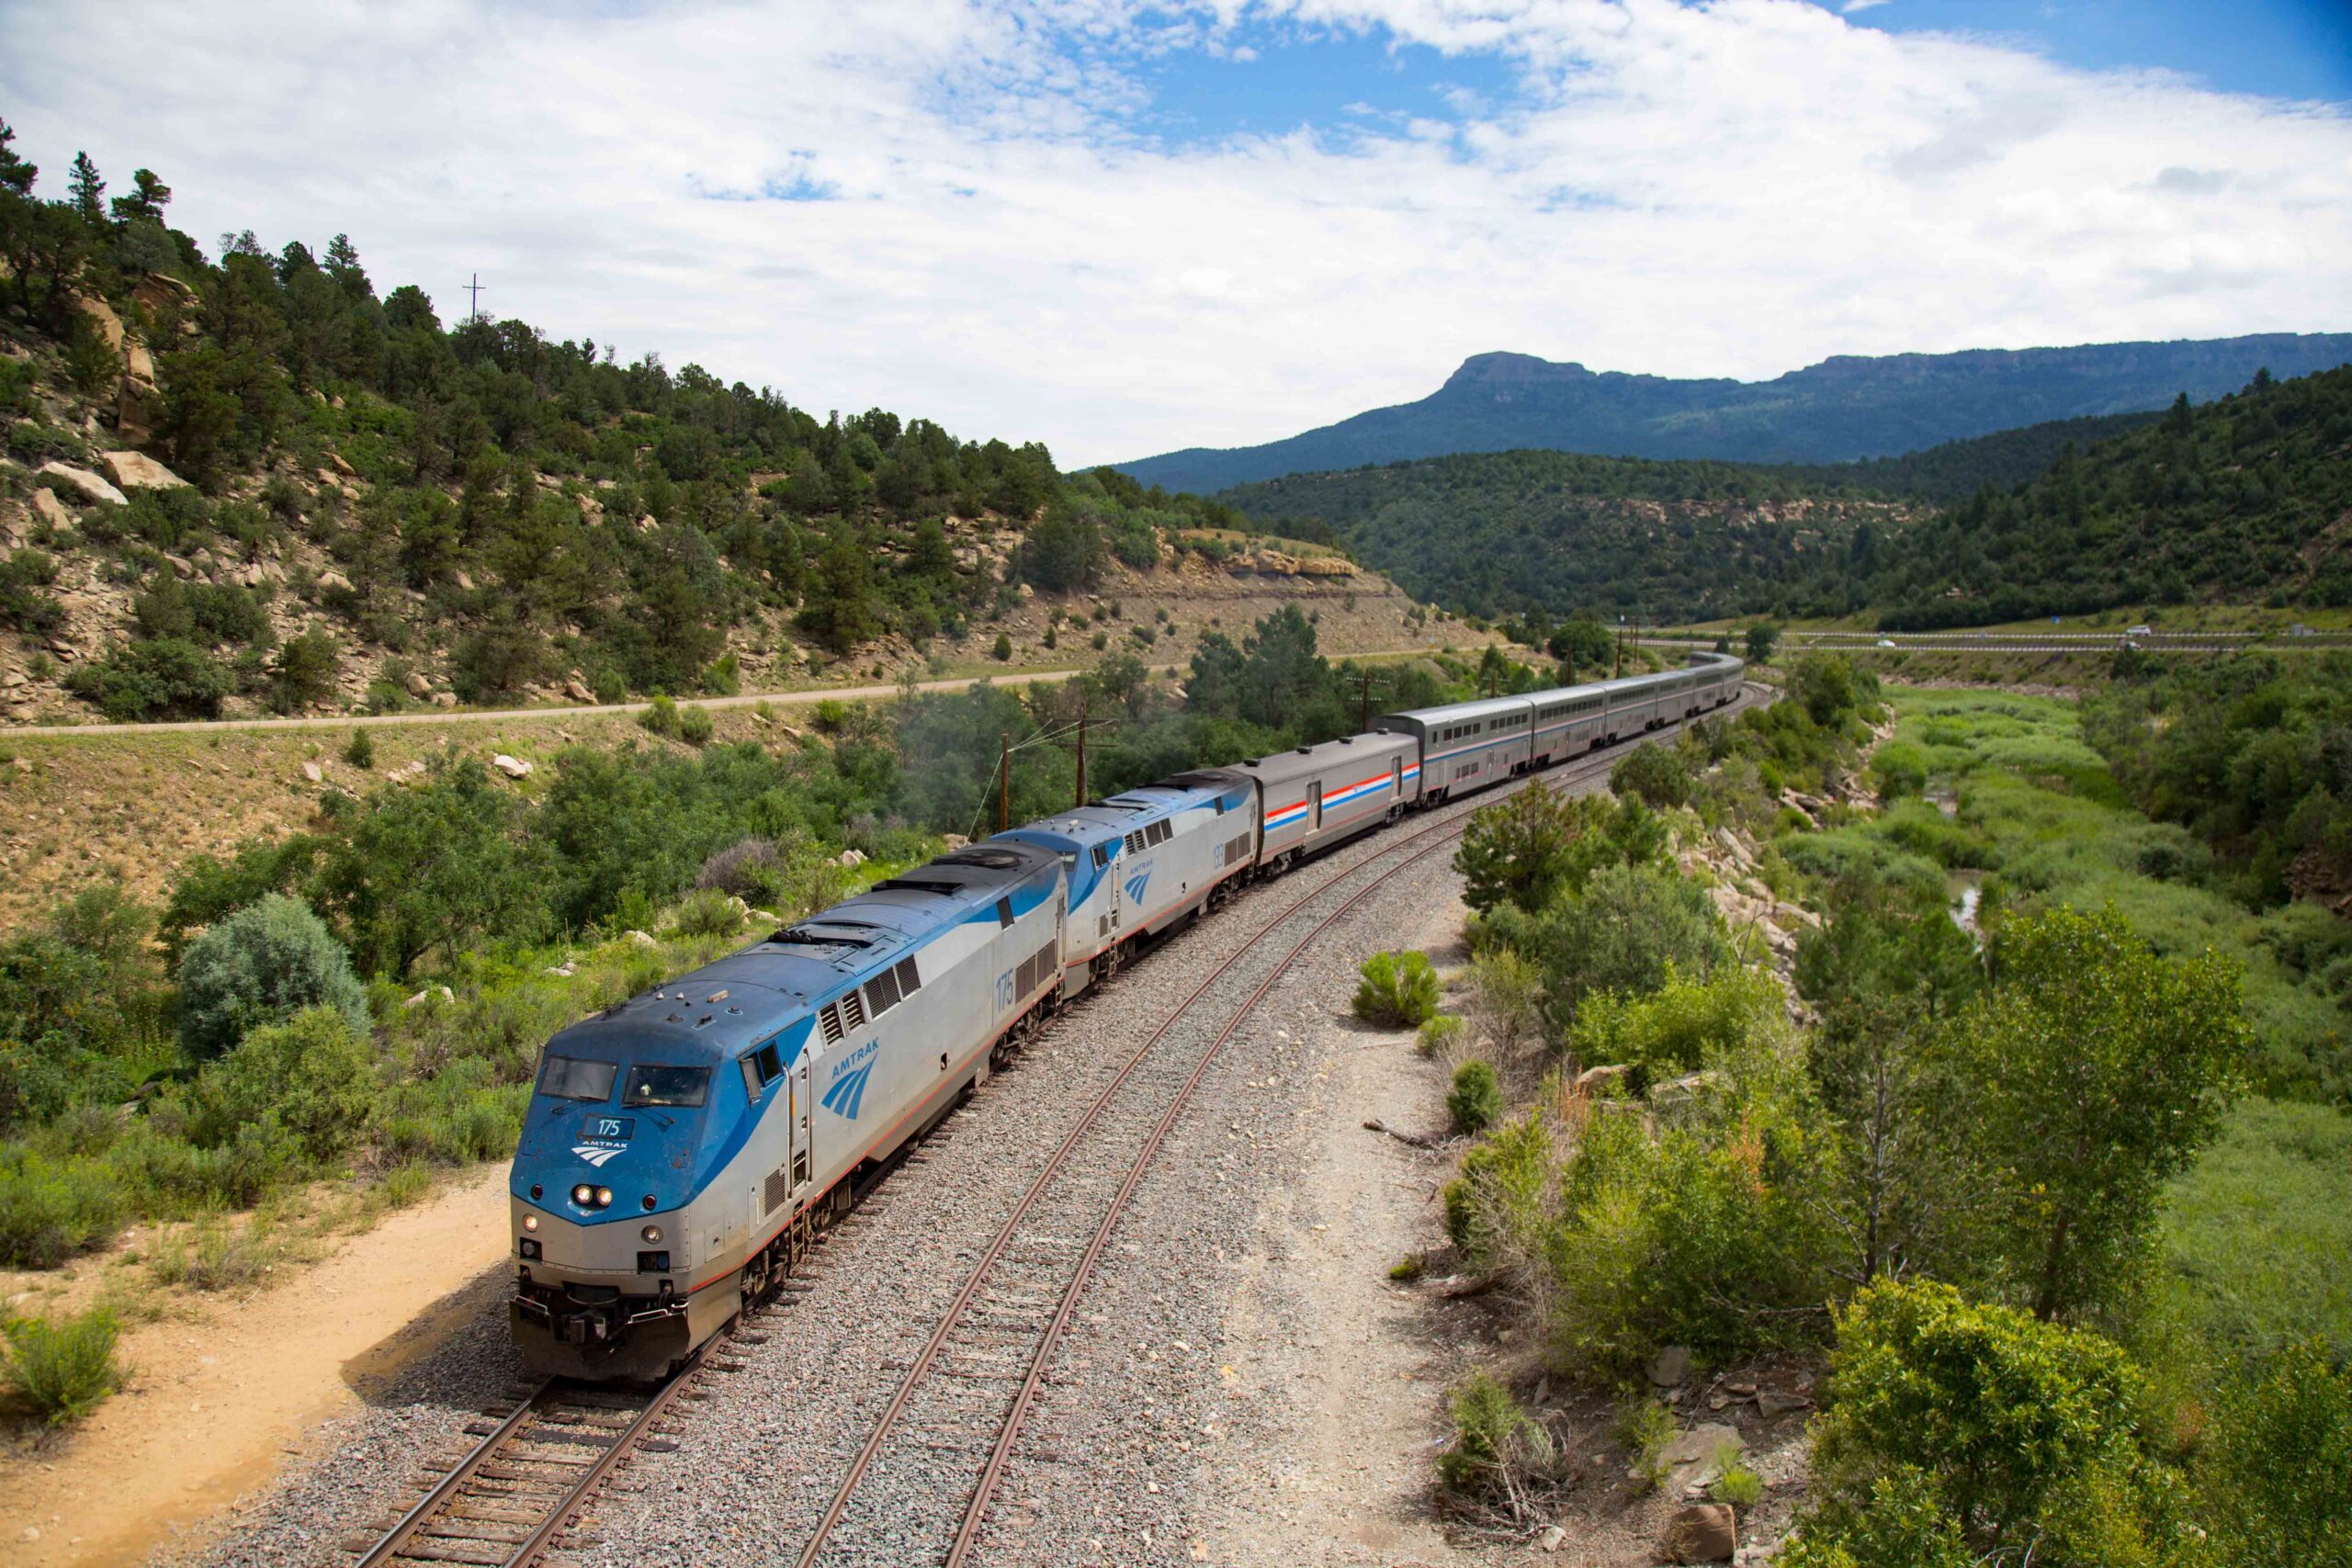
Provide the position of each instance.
(159, 291)
(181, 565)
(418, 686)
(1694, 1460)
(310, 772)
(334, 581)
(1771, 1404)
(1670, 1366)
(642, 939)
(512, 767)
(52, 511)
(1705, 1532)
(88, 484)
(853, 857)
(1607, 1078)
(136, 470)
(1551, 1539)
(1686, 1088)
(102, 317)
(577, 692)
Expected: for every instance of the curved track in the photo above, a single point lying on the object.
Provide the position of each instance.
(543, 1456)
(1019, 1299)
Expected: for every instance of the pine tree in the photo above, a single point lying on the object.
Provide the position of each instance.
(148, 198)
(87, 188)
(15, 174)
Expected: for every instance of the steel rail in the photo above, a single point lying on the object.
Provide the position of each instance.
(920, 1369)
(430, 1504)
(566, 1507)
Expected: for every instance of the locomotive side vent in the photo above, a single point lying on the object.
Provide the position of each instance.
(853, 1011)
(778, 1189)
(1237, 851)
(1135, 844)
(910, 978)
(828, 1018)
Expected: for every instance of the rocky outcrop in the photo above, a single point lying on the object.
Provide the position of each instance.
(136, 470)
(512, 767)
(52, 511)
(87, 483)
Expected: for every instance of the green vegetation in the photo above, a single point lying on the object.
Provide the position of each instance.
(1399, 990)
(493, 505)
(2254, 756)
(2079, 1297)
(263, 964)
(1475, 1100)
(2227, 500)
(63, 1370)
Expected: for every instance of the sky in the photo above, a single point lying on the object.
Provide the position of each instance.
(1120, 230)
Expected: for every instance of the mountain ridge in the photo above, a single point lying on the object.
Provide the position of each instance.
(1845, 408)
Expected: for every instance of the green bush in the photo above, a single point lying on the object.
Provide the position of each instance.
(1002, 651)
(661, 716)
(1684, 1025)
(1660, 774)
(1735, 1483)
(23, 605)
(1630, 924)
(1979, 1422)
(361, 752)
(725, 677)
(695, 726)
(1476, 1098)
(2275, 1473)
(63, 1370)
(1399, 990)
(1898, 770)
(303, 673)
(708, 912)
(609, 685)
(163, 678)
(262, 966)
(52, 1209)
(1495, 1210)
(1492, 1436)
(311, 1074)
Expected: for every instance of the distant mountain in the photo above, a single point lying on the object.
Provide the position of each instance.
(2244, 498)
(1840, 410)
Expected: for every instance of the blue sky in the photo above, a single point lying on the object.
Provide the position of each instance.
(2295, 48)
(1120, 230)
(1278, 76)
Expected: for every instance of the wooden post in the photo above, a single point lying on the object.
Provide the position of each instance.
(1081, 751)
(1004, 783)
(1364, 716)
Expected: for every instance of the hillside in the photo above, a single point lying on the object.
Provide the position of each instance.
(2247, 499)
(1841, 409)
(1507, 532)
(2247, 506)
(256, 485)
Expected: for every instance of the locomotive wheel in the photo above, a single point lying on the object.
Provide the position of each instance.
(756, 1278)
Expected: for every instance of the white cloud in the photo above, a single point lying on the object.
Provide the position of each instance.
(1732, 190)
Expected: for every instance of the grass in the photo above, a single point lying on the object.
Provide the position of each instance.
(62, 1369)
(217, 1252)
(2256, 1235)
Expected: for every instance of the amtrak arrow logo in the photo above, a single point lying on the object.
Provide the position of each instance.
(593, 1156)
(843, 1095)
(1135, 887)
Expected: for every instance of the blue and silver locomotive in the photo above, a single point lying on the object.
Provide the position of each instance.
(685, 1146)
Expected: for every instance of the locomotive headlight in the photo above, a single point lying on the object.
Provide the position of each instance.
(603, 1197)
(584, 1195)
(530, 1222)
(653, 1235)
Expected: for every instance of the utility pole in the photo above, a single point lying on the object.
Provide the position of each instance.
(1363, 717)
(1620, 648)
(474, 288)
(1082, 751)
(1004, 783)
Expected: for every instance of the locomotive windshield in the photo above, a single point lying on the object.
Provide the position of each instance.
(652, 1085)
(575, 1078)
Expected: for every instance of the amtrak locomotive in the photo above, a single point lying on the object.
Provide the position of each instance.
(687, 1146)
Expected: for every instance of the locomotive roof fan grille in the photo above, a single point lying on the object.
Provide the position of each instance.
(987, 858)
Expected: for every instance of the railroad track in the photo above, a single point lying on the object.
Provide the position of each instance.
(969, 1390)
(543, 1454)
